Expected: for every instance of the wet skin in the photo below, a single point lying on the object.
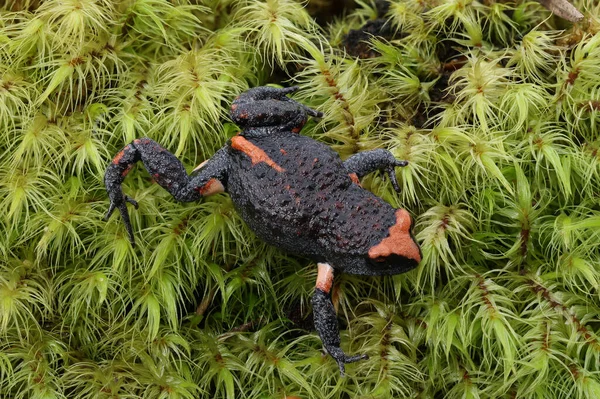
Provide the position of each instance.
(293, 192)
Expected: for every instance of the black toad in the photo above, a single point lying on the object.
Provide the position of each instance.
(293, 192)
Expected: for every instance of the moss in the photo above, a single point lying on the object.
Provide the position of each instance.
(495, 105)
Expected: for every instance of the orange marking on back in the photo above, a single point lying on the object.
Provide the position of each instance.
(256, 154)
(212, 186)
(324, 277)
(284, 152)
(398, 241)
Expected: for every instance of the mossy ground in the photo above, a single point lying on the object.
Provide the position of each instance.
(496, 104)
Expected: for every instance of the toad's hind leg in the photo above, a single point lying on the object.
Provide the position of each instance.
(325, 318)
(167, 171)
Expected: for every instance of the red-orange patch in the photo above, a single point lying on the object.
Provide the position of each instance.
(255, 153)
(354, 178)
(118, 157)
(324, 277)
(398, 241)
(298, 128)
(212, 186)
(127, 170)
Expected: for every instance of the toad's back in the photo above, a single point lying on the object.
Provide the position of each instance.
(296, 194)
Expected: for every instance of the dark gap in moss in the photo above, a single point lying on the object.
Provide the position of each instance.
(324, 12)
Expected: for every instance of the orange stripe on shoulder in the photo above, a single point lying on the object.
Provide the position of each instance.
(255, 153)
(399, 240)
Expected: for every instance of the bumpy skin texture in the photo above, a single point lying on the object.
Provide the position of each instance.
(293, 192)
(310, 206)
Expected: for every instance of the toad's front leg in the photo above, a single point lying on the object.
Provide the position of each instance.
(325, 318)
(167, 171)
(369, 161)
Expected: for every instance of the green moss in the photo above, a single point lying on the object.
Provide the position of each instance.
(495, 104)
